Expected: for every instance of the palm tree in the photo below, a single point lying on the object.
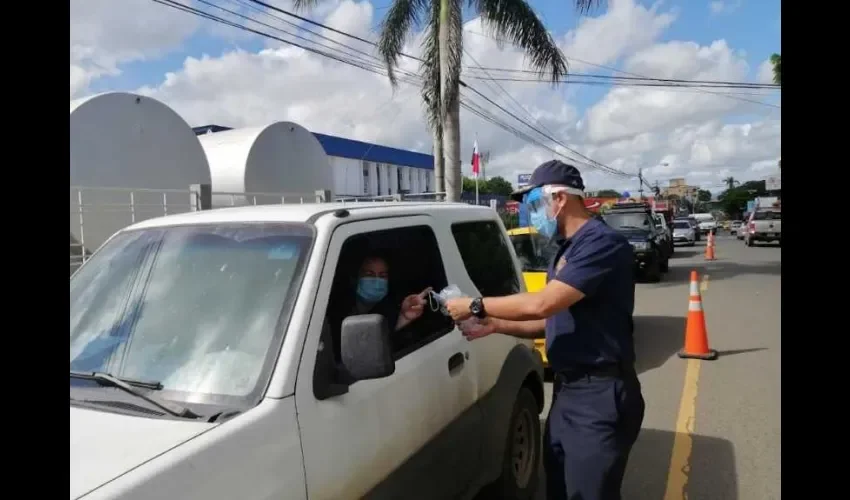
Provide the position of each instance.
(730, 182)
(776, 60)
(440, 68)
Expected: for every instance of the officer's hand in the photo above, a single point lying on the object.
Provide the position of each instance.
(481, 328)
(458, 308)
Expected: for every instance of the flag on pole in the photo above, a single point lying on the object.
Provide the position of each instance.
(476, 160)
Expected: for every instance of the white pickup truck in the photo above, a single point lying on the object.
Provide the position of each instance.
(707, 223)
(764, 225)
(206, 362)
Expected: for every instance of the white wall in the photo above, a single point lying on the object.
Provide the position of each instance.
(349, 181)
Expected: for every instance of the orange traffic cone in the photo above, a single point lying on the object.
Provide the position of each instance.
(696, 336)
(709, 247)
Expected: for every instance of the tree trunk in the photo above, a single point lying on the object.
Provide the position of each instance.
(439, 164)
(449, 111)
(451, 143)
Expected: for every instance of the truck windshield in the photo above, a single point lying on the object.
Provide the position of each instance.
(628, 220)
(200, 309)
(533, 251)
(767, 215)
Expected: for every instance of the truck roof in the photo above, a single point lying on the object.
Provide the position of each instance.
(306, 212)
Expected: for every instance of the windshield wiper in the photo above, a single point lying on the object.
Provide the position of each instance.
(127, 385)
(631, 227)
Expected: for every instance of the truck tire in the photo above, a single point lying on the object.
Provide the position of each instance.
(521, 464)
(653, 272)
(664, 266)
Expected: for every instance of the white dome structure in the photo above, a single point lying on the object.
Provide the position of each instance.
(281, 157)
(123, 143)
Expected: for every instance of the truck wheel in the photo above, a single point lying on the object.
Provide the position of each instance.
(653, 272)
(520, 467)
(664, 266)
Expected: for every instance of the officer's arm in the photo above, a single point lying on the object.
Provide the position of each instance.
(580, 277)
(532, 329)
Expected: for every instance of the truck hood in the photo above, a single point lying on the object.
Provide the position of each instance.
(106, 445)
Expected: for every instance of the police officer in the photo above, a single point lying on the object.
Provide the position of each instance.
(586, 311)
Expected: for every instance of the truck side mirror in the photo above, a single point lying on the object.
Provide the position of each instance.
(366, 348)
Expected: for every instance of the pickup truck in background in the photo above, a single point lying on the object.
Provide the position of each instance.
(707, 223)
(764, 226)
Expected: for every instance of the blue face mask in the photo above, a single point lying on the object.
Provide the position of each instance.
(372, 290)
(545, 225)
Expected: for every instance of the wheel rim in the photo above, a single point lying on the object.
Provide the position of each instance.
(523, 448)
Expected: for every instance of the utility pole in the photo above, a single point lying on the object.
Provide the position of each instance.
(640, 180)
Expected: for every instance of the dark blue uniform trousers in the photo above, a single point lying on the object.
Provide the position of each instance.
(592, 424)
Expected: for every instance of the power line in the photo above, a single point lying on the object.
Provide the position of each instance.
(609, 68)
(372, 67)
(415, 58)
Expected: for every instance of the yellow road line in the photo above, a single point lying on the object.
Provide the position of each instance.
(680, 459)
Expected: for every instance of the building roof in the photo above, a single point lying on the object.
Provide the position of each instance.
(358, 150)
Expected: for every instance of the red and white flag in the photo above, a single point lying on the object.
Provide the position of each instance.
(476, 160)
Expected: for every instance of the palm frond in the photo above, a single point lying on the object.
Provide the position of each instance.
(401, 18)
(585, 6)
(304, 5)
(516, 21)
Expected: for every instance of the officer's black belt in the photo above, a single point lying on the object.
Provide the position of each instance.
(606, 371)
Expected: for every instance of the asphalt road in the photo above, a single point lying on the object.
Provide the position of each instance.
(712, 428)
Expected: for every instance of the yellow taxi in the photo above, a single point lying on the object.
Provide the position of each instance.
(534, 253)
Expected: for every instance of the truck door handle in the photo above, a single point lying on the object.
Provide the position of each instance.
(456, 362)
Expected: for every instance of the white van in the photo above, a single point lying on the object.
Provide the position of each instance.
(207, 363)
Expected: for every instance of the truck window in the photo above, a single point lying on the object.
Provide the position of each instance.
(767, 215)
(628, 220)
(414, 263)
(486, 257)
(200, 309)
(534, 251)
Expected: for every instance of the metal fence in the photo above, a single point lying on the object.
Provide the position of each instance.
(97, 213)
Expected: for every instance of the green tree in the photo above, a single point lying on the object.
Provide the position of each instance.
(511, 20)
(704, 195)
(608, 193)
(776, 60)
(734, 201)
(498, 185)
(493, 185)
(730, 182)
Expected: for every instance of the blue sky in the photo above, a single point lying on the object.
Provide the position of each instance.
(751, 26)
(696, 133)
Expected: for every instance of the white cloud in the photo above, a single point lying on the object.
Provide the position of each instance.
(667, 132)
(765, 72)
(720, 7)
(106, 34)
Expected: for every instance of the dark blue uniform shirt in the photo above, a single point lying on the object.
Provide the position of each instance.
(597, 330)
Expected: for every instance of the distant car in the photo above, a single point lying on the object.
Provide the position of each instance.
(735, 226)
(683, 233)
(694, 224)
